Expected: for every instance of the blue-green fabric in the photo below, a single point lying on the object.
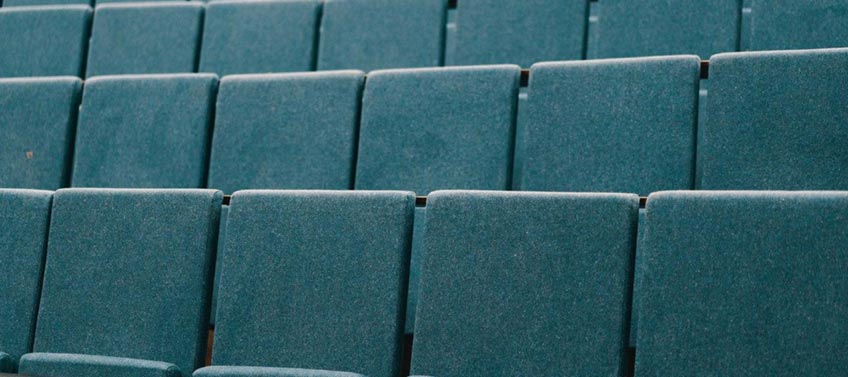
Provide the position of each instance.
(438, 128)
(619, 125)
(315, 279)
(286, 131)
(128, 274)
(793, 24)
(24, 217)
(145, 131)
(777, 121)
(744, 284)
(415, 267)
(222, 239)
(24, 3)
(627, 28)
(218, 371)
(380, 34)
(72, 365)
(161, 37)
(259, 36)
(529, 284)
(519, 32)
(6, 363)
(37, 123)
(44, 40)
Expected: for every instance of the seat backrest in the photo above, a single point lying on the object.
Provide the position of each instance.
(134, 38)
(286, 131)
(744, 284)
(438, 128)
(627, 28)
(145, 131)
(259, 36)
(316, 280)
(777, 121)
(44, 41)
(129, 274)
(24, 217)
(624, 125)
(792, 24)
(37, 123)
(529, 284)
(519, 32)
(380, 34)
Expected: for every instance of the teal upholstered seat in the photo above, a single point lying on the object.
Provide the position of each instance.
(519, 32)
(313, 279)
(530, 284)
(792, 24)
(744, 284)
(44, 40)
(260, 36)
(24, 217)
(379, 34)
(24, 3)
(216, 371)
(627, 28)
(778, 121)
(624, 125)
(37, 123)
(286, 131)
(159, 37)
(145, 131)
(75, 365)
(128, 275)
(438, 128)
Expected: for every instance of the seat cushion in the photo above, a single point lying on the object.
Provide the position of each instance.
(228, 371)
(72, 365)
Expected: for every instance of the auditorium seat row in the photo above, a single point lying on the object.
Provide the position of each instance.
(237, 37)
(513, 283)
(625, 125)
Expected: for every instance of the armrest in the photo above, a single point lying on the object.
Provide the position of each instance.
(6, 363)
(73, 365)
(230, 371)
